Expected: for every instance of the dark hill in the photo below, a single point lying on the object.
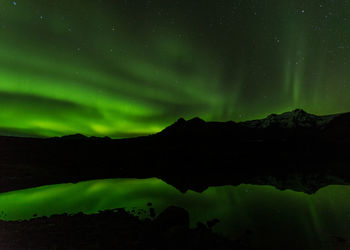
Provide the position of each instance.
(338, 129)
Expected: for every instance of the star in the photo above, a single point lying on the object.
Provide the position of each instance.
(211, 63)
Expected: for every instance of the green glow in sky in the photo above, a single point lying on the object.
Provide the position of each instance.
(126, 68)
(307, 220)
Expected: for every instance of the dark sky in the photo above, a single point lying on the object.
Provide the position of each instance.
(126, 68)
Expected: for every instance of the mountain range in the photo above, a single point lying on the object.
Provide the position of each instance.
(294, 150)
(288, 126)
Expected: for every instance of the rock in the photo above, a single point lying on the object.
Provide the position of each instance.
(173, 217)
(212, 223)
(152, 212)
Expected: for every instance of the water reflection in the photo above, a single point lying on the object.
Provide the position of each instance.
(256, 214)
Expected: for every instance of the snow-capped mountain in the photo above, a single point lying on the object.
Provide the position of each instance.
(297, 118)
(288, 126)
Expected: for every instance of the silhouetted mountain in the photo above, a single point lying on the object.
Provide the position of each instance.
(79, 137)
(74, 137)
(338, 129)
(297, 118)
(293, 150)
(293, 125)
(199, 129)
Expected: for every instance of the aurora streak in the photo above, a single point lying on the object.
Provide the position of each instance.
(130, 68)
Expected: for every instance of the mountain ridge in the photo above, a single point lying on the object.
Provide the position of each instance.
(289, 119)
(297, 118)
(288, 126)
(193, 154)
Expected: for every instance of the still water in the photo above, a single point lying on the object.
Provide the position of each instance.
(262, 216)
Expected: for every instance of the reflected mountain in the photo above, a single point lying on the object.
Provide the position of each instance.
(253, 216)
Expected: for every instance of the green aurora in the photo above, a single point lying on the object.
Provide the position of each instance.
(129, 68)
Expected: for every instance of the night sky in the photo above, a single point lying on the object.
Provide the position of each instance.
(129, 67)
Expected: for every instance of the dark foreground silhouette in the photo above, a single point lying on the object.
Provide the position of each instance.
(294, 150)
(112, 230)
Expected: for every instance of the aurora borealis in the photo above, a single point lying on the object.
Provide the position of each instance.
(128, 68)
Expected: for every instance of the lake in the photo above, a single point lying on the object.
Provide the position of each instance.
(262, 216)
